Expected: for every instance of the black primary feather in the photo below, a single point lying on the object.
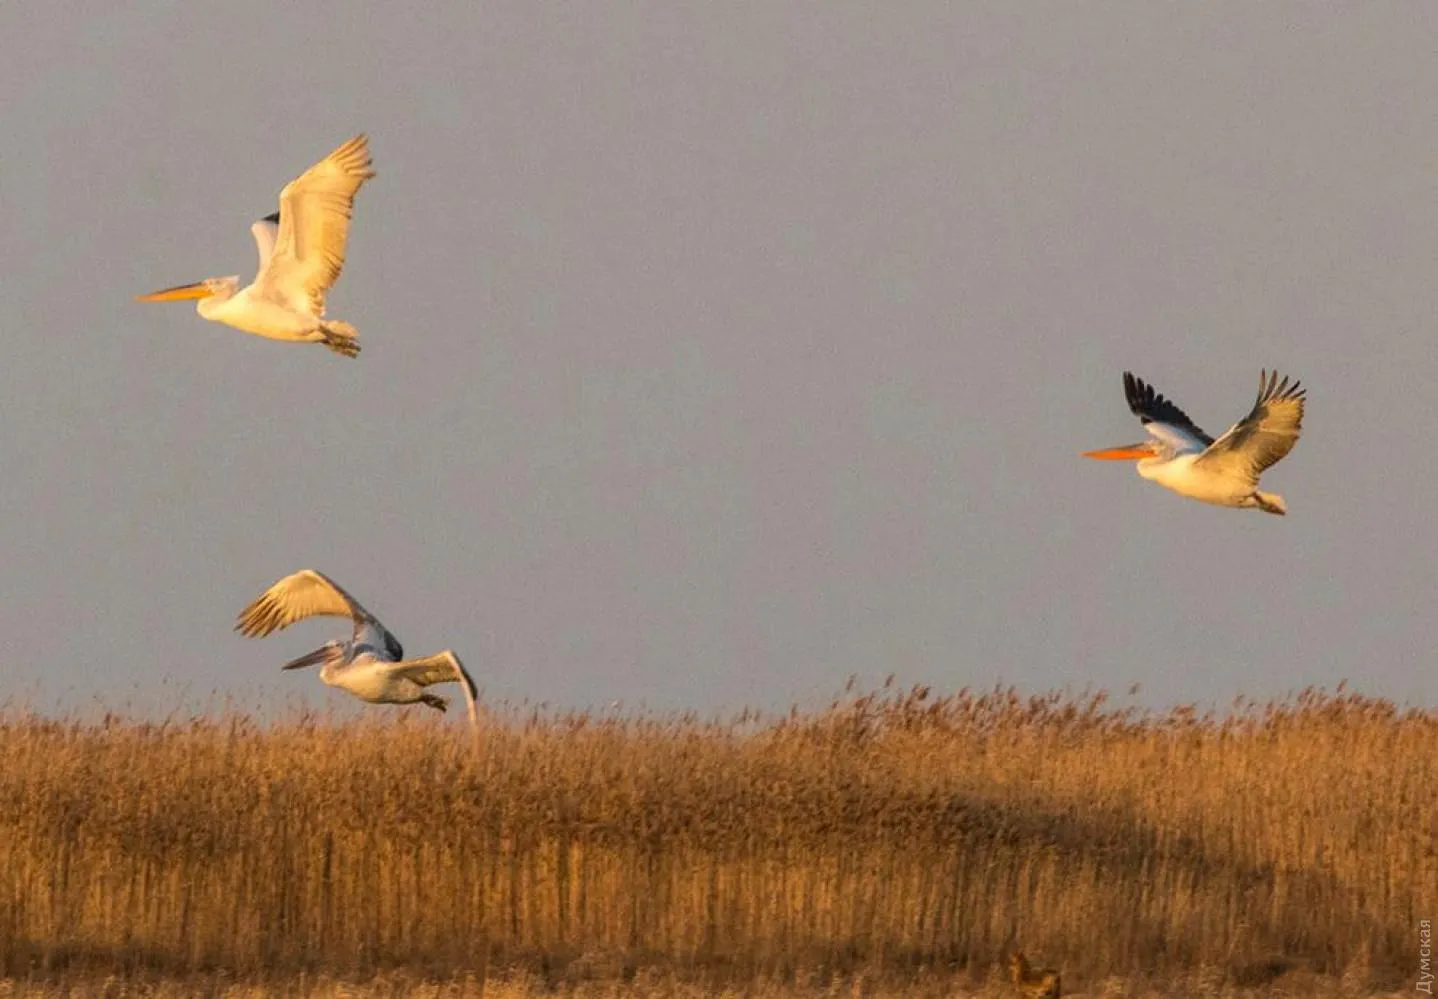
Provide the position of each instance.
(1149, 406)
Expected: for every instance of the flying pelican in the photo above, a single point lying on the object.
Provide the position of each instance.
(1223, 472)
(371, 665)
(302, 249)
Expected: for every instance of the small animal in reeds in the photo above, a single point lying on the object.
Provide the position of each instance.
(1035, 983)
(371, 665)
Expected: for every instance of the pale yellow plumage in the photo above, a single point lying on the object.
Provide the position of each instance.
(315, 212)
(302, 252)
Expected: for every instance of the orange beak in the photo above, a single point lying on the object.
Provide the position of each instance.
(1127, 452)
(197, 290)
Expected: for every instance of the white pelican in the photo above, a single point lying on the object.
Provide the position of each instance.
(302, 249)
(371, 665)
(1223, 472)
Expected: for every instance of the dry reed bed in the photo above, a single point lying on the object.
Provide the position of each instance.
(399, 985)
(891, 834)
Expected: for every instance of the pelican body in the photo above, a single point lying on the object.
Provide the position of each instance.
(302, 251)
(371, 664)
(1223, 472)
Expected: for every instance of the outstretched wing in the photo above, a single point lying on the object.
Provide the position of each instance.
(314, 225)
(1161, 418)
(442, 667)
(1265, 435)
(306, 593)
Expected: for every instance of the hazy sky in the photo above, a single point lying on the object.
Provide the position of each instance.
(714, 352)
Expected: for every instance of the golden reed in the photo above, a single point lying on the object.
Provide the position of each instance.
(890, 831)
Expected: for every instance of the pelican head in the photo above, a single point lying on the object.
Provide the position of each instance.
(1128, 452)
(208, 288)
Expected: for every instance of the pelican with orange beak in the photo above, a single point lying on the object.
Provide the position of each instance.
(302, 250)
(371, 665)
(1223, 472)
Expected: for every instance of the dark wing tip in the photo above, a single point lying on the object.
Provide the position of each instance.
(391, 644)
(1271, 389)
(1141, 396)
(1151, 407)
(1133, 392)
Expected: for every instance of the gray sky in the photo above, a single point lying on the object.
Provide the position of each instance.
(714, 354)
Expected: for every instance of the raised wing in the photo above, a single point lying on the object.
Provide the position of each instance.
(303, 594)
(266, 231)
(1162, 418)
(314, 225)
(1265, 435)
(443, 667)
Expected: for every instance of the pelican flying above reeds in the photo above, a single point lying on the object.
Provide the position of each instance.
(302, 250)
(1223, 472)
(371, 665)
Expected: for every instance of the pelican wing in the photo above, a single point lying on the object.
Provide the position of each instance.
(1161, 418)
(306, 593)
(442, 667)
(1265, 435)
(314, 225)
(266, 231)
